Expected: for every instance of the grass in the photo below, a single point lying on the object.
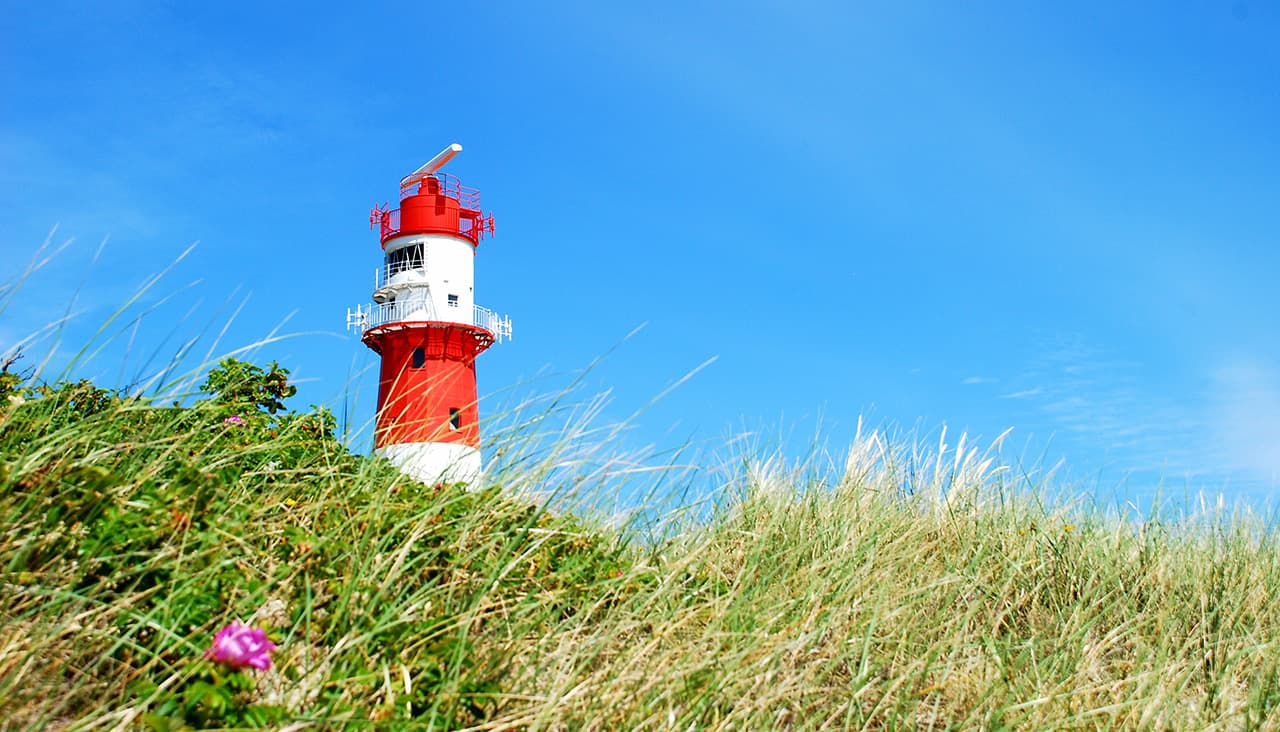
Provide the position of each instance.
(918, 589)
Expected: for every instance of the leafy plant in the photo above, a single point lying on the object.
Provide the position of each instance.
(239, 384)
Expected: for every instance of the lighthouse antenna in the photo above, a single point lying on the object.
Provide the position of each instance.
(432, 165)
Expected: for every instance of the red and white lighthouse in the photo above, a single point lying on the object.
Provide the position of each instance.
(426, 327)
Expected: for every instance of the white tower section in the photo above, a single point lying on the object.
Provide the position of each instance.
(427, 277)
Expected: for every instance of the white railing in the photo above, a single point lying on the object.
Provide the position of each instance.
(383, 275)
(498, 325)
(364, 317)
(373, 315)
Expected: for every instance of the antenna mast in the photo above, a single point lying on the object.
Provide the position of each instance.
(431, 165)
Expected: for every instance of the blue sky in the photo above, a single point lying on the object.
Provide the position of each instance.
(1060, 220)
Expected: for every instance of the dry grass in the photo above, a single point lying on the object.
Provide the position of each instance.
(920, 589)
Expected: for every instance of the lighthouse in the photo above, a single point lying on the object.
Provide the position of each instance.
(426, 327)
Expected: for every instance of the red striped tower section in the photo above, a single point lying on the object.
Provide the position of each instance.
(426, 327)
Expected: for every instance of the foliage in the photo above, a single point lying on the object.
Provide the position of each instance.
(911, 592)
(161, 523)
(242, 385)
(212, 697)
(11, 380)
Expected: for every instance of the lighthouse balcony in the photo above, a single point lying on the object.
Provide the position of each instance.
(395, 277)
(375, 315)
(397, 273)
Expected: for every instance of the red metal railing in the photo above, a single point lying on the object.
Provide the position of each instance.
(450, 186)
(467, 220)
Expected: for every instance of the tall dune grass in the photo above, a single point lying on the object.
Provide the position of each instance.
(917, 587)
(921, 589)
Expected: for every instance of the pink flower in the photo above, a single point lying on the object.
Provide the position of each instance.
(234, 419)
(238, 645)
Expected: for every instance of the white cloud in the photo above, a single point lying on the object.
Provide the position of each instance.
(1024, 394)
(979, 380)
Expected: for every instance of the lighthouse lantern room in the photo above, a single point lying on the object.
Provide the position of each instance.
(426, 327)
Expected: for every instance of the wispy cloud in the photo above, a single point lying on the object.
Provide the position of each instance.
(1109, 411)
(971, 380)
(1245, 417)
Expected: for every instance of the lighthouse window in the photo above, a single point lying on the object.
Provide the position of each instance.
(453, 301)
(455, 418)
(405, 259)
(418, 359)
